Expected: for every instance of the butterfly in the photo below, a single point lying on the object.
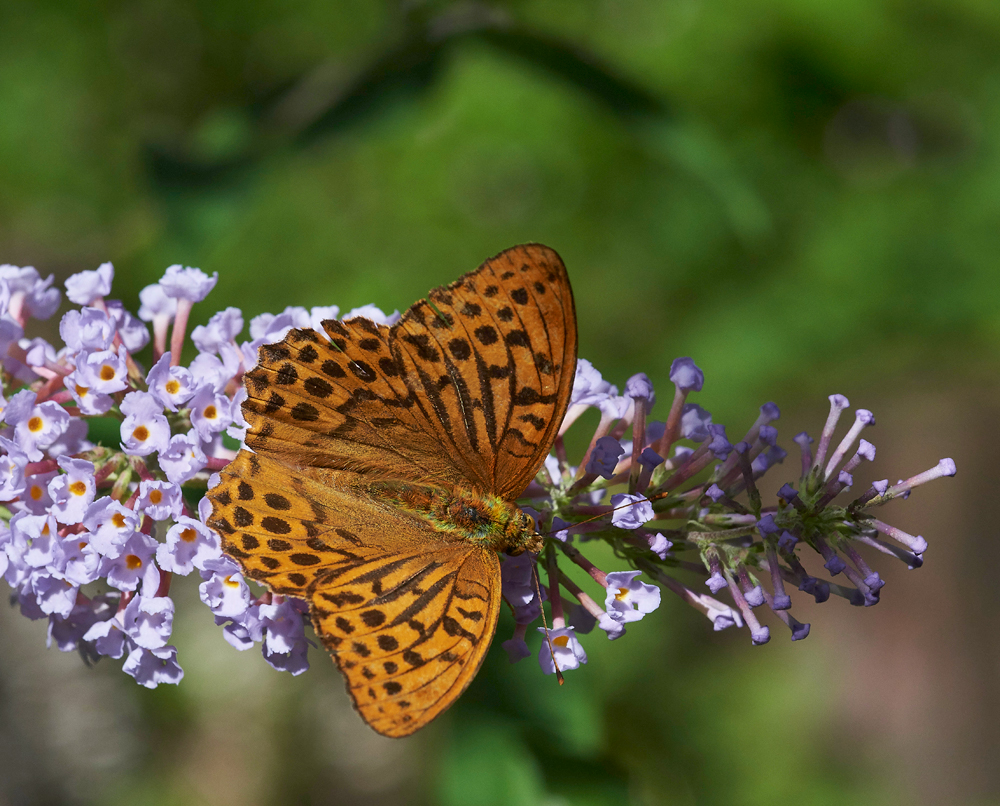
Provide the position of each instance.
(381, 468)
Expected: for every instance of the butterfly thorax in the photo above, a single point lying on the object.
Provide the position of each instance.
(463, 514)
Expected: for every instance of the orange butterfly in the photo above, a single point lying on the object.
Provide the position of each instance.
(384, 464)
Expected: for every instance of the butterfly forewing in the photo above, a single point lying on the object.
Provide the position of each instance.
(465, 392)
(495, 354)
(342, 404)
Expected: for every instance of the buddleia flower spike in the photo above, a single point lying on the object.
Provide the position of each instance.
(394, 481)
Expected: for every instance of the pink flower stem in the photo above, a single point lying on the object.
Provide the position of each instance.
(552, 571)
(43, 466)
(217, 462)
(673, 423)
(585, 601)
(638, 442)
(123, 601)
(599, 576)
(180, 327)
(161, 322)
(164, 586)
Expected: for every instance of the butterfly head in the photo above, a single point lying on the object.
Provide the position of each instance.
(523, 535)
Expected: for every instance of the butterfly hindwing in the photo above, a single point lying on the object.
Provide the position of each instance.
(410, 631)
(407, 614)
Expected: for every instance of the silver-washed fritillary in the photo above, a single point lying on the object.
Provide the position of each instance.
(382, 470)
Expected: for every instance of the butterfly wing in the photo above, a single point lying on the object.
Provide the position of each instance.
(339, 401)
(467, 389)
(407, 614)
(495, 354)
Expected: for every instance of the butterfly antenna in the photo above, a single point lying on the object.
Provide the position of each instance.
(548, 638)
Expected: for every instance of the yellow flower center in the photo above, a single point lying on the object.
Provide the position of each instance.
(230, 582)
(82, 390)
(78, 488)
(189, 535)
(210, 413)
(622, 594)
(118, 520)
(36, 492)
(82, 544)
(155, 496)
(172, 386)
(561, 641)
(141, 433)
(133, 562)
(107, 372)
(45, 529)
(35, 424)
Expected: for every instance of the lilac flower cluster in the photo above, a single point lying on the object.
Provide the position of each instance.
(698, 512)
(91, 536)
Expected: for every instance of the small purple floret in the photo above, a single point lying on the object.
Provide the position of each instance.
(788, 492)
(768, 434)
(86, 286)
(630, 511)
(639, 387)
(694, 422)
(650, 459)
(716, 582)
(604, 458)
(181, 282)
(659, 545)
(719, 446)
(787, 542)
(817, 588)
(722, 621)
(767, 526)
(685, 375)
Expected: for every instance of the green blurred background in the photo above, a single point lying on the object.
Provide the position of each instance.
(802, 195)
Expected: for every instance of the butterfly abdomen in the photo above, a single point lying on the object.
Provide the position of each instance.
(460, 514)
